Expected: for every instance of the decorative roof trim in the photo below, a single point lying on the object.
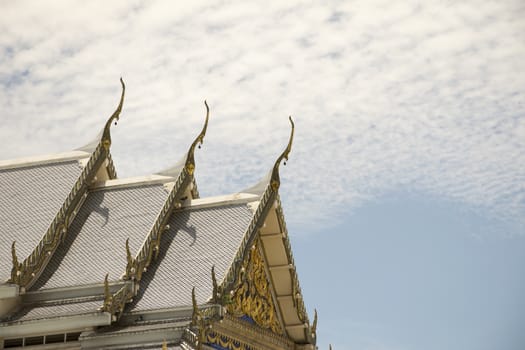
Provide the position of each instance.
(207, 202)
(190, 159)
(42, 160)
(150, 248)
(114, 303)
(131, 181)
(106, 135)
(25, 274)
(275, 179)
(296, 289)
(241, 332)
(252, 295)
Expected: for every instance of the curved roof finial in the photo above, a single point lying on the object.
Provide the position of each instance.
(190, 159)
(275, 180)
(314, 324)
(106, 137)
(15, 271)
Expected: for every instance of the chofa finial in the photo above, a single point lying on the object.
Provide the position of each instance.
(106, 137)
(314, 324)
(275, 180)
(108, 297)
(190, 159)
(216, 296)
(13, 254)
(195, 314)
(15, 270)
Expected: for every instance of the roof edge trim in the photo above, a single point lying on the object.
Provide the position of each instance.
(42, 160)
(229, 199)
(131, 182)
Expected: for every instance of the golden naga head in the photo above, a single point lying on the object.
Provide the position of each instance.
(190, 159)
(275, 181)
(106, 136)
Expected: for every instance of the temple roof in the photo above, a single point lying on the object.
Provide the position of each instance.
(95, 244)
(165, 253)
(198, 238)
(32, 193)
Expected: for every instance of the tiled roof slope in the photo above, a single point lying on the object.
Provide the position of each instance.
(198, 238)
(30, 197)
(95, 244)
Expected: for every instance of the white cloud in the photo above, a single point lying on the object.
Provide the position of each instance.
(424, 97)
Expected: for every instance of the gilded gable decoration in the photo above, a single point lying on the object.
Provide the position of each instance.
(252, 295)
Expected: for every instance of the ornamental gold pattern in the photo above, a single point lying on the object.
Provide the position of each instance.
(227, 342)
(252, 295)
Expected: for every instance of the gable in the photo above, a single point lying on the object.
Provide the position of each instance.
(252, 295)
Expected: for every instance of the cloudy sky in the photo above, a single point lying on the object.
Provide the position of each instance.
(398, 106)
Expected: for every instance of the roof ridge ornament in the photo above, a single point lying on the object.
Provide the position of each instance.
(190, 159)
(275, 180)
(314, 325)
(106, 136)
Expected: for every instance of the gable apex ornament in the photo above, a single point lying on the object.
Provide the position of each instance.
(275, 180)
(190, 159)
(106, 135)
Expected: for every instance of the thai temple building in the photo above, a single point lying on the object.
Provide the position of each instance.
(92, 261)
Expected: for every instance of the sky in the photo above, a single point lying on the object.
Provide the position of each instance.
(405, 190)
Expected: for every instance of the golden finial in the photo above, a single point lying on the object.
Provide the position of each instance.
(13, 255)
(15, 270)
(164, 345)
(108, 298)
(129, 258)
(215, 297)
(195, 307)
(314, 324)
(275, 180)
(190, 159)
(106, 137)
